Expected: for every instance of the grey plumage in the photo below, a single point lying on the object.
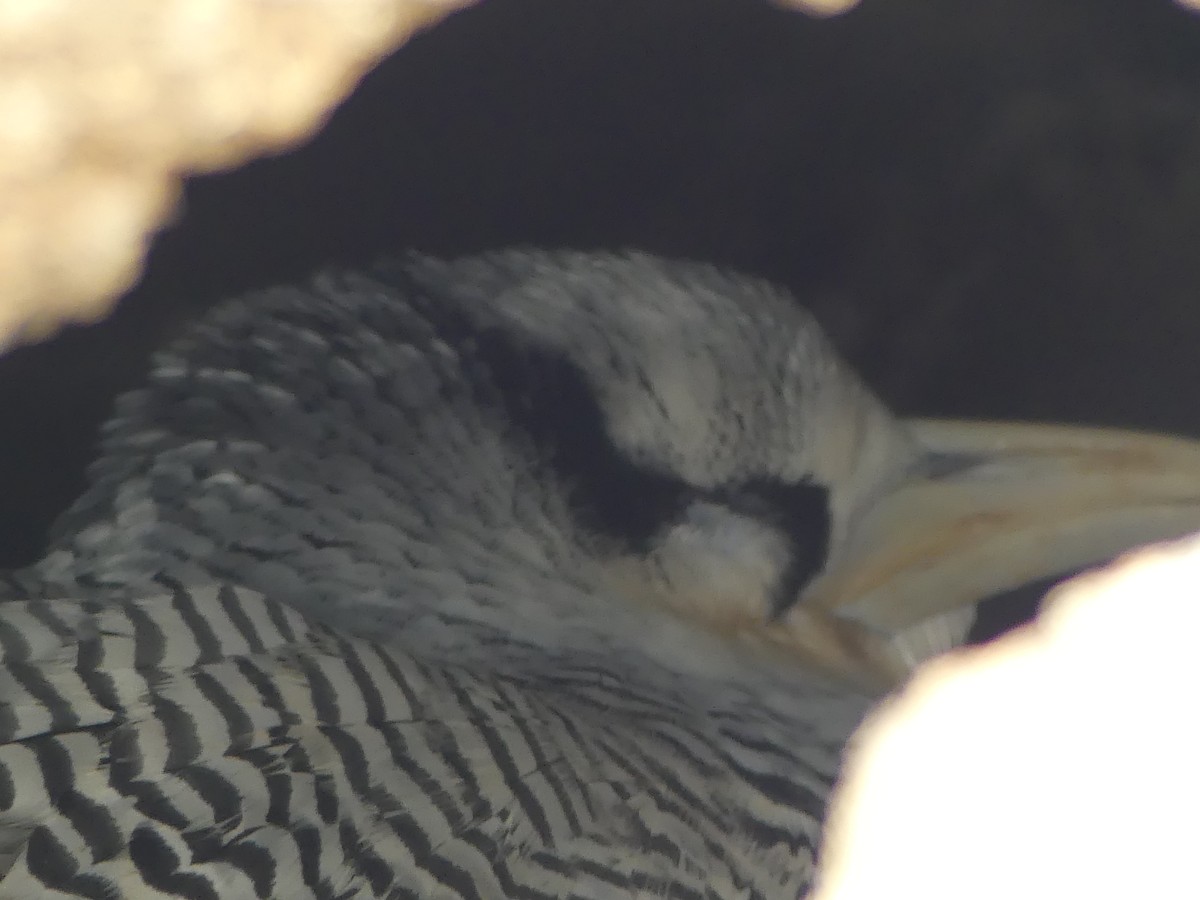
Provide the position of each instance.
(445, 580)
(400, 711)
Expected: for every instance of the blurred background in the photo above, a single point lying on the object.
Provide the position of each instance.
(993, 207)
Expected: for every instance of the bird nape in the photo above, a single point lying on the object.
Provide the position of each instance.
(533, 574)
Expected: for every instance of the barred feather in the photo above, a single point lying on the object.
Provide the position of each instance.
(215, 743)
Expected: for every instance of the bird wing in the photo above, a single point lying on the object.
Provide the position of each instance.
(216, 743)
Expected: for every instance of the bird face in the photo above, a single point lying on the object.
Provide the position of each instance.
(723, 463)
(710, 445)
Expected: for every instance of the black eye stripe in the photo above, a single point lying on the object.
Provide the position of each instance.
(550, 398)
(551, 401)
(801, 511)
(798, 508)
(630, 503)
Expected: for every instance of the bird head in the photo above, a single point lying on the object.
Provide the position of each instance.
(723, 463)
(608, 450)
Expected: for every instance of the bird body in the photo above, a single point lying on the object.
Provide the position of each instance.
(315, 656)
(484, 578)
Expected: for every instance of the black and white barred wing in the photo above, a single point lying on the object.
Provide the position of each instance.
(217, 744)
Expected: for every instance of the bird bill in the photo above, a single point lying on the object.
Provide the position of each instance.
(991, 507)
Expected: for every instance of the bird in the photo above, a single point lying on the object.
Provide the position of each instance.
(531, 573)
